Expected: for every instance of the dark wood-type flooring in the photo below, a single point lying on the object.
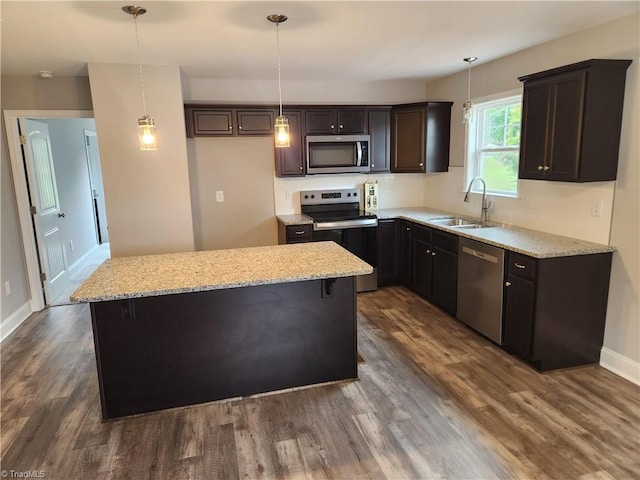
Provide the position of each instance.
(434, 400)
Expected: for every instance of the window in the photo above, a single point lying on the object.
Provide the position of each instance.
(494, 145)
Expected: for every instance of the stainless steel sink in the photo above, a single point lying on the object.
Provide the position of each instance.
(454, 222)
(459, 222)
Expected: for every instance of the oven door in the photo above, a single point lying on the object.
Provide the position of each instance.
(362, 242)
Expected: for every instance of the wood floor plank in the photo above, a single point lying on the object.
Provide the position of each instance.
(433, 400)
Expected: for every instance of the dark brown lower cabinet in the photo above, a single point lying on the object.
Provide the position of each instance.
(444, 291)
(555, 309)
(175, 350)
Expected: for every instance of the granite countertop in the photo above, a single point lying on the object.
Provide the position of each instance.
(153, 275)
(294, 219)
(517, 239)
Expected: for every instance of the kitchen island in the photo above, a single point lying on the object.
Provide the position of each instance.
(185, 328)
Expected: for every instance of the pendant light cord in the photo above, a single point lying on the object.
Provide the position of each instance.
(144, 100)
(469, 84)
(279, 78)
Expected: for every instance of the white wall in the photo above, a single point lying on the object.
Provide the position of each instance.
(394, 190)
(200, 90)
(147, 193)
(241, 168)
(564, 208)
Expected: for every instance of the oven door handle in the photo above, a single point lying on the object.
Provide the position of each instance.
(342, 224)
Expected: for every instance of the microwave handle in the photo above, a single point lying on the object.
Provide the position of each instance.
(359, 150)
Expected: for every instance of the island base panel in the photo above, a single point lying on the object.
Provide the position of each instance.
(160, 352)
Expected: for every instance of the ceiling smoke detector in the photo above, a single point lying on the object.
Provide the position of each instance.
(46, 74)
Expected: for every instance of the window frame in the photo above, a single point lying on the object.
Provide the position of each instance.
(473, 133)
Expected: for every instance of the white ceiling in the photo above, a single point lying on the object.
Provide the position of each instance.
(353, 40)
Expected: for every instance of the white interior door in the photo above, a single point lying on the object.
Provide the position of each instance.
(45, 204)
(97, 189)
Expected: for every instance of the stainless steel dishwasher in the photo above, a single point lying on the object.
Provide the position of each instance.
(480, 287)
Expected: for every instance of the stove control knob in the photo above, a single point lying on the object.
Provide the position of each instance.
(355, 194)
(306, 197)
(348, 194)
(313, 196)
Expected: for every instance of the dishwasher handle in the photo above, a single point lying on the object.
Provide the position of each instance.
(480, 255)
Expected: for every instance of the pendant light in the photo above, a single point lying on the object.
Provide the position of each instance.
(467, 107)
(146, 125)
(282, 123)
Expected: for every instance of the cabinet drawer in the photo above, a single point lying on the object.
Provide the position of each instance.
(445, 241)
(522, 266)
(299, 233)
(421, 233)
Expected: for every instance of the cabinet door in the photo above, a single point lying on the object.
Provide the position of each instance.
(388, 258)
(290, 160)
(255, 122)
(519, 316)
(408, 140)
(320, 122)
(380, 146)
(535, 129)
(445, 271)
(406, 261)
(421, 279)
(438, 137)
(352, 121)
(566, 127)
(211, 122)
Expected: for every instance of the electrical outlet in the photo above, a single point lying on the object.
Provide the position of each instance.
(597, 206)
(219, 196)
(287, 194)
(71, 245)
(7, 288)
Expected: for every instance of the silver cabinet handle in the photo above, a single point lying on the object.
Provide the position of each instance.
(300, 232)
(507, 284)
(433, 254)
(428, 251)
(519, 266)
(420, 164)
(240, 127)
(408, 229)
(540, 167)
(341, 126)
(332, 127)
(546, 167)
(230, 127)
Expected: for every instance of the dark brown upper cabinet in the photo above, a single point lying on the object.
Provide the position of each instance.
(213, 121)
(571, 122)
(332, 121)
(420, 137)
(290, 160)
(380, 145)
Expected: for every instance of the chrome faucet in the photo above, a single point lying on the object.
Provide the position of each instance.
(484, 213)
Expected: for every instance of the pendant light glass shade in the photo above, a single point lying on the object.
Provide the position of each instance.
(281, 127)
(467, 107)
(147, 136)
(147, 133)
(282, 131)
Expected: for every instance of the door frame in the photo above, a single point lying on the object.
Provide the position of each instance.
(37, 300)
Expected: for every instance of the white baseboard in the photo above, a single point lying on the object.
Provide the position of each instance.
(80, 261)
(620, 365)
(14, 320)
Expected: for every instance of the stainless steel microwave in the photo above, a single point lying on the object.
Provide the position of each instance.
(338, 154)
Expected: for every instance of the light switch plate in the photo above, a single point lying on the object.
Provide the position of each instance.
(219, 196)
(597, 206)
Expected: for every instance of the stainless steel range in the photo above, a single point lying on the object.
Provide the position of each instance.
(337, 217)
